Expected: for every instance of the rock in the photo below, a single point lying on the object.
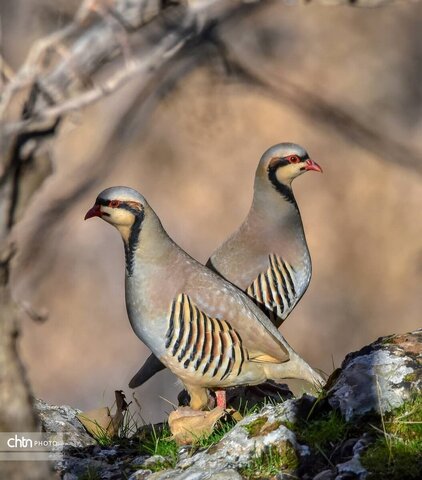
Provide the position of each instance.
(325, 475)
(62, 420)
(80, 455)
(379, 377)
(105, 463)
(143, 459)
(353, 468)
(226, 475)
(80, 467)
(70, 476)
(362, 444)
(141, 475)
(154, 460)
(347, 448)
(251, 437)
(282, 437)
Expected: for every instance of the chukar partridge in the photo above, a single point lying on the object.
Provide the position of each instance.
(267, 256)
(203, 328)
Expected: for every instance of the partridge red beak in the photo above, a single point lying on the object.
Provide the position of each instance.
(311, 165)
(95, 211)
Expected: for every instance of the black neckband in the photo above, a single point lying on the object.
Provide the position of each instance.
(133, 242)
(284, 190)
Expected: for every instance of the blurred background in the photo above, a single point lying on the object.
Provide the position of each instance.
(193, 155)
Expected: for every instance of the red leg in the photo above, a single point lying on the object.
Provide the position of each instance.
(220, 395)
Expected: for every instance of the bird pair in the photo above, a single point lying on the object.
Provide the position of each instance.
(216, 327)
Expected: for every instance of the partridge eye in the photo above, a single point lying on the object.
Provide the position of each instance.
(114, 203)
(294, 159)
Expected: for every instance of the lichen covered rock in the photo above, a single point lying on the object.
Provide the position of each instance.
(250, 439)
(325, 438)
(379, 377)
(62, 420)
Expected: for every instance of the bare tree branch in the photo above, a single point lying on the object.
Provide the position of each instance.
(360, 131)
(101, 31)
(159, 54)
(53, 83)
(125, 127)
(63, 64)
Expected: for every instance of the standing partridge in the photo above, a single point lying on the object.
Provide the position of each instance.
(200, 326)
(267, 256)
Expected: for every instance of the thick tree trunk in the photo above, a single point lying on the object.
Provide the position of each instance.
(16, 412)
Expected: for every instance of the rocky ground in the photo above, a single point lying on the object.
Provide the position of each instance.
(365, 423)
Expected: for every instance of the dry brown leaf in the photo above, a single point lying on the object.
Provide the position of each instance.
(236, 415)
(188, 425)
(99, 422)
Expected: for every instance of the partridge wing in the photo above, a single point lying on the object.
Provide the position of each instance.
(210, 346)
(274, 290)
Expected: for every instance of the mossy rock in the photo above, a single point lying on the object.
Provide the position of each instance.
(254, 428)
(261, 426)
(277, 458)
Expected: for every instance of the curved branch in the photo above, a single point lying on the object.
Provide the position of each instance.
(358, 130)
(128, 124)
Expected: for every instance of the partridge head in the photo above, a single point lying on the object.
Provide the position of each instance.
(204, 329)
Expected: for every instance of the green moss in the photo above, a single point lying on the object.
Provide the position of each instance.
(397, 453)
(410, 377)
(159, 442)
(276, 459)
(406, 421)
(270, 427)
(261, 426)
(319, 433)
(254, 428)
(395, 461)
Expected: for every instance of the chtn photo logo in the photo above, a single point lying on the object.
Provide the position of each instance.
(17, 446)
(24, 441)
(19, 442)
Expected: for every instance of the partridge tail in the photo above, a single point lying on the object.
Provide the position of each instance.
(297, 368)
(151, 366)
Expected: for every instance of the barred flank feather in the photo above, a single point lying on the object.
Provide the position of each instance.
(274, 290)
(208, 345)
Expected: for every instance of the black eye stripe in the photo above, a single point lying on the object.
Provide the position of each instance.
(124, 205)
(102, 201)
(284, 161)
(281, 162)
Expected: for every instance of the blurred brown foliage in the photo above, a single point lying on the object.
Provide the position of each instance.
(194, 157)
